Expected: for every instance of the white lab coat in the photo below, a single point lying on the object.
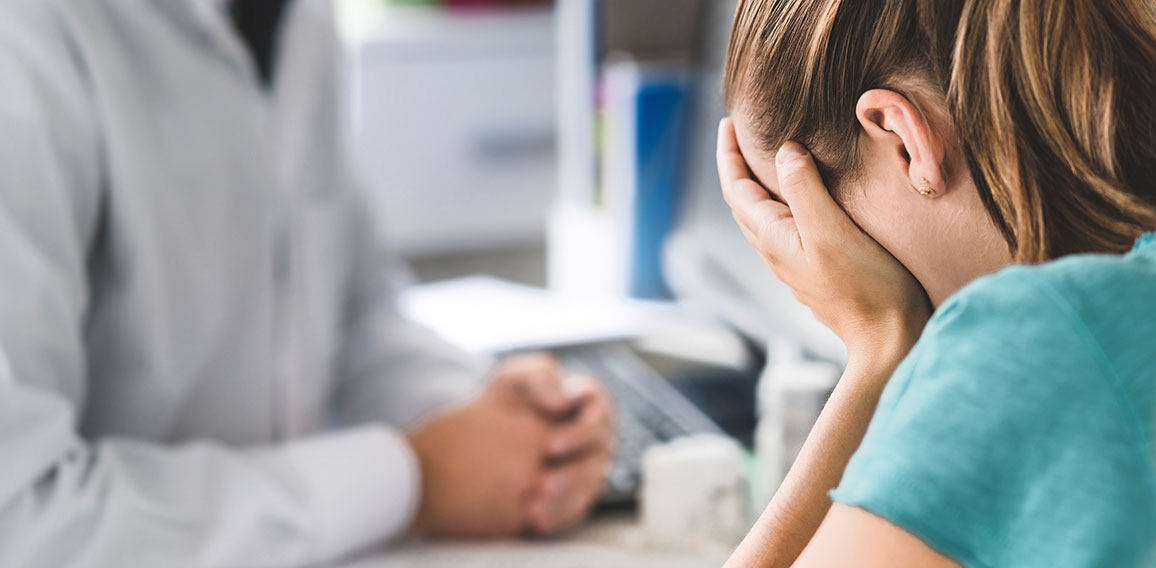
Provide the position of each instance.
(200, 358)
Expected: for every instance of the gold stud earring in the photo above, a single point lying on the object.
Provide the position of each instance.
(926, 190)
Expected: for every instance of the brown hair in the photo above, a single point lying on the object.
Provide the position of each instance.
(1051, 100)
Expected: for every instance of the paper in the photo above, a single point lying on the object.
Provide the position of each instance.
(486, 315)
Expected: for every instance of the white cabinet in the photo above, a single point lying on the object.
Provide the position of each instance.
(456, 121)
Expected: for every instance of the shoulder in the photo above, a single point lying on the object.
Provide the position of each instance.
(49, 125)
(1102, 306)
(1006, 310)
(1006, 338)
(28, 20)
(1106, 293)
(1007, 402)
(313, 22)
(41, 69)
(37, 51)
(1083, 284)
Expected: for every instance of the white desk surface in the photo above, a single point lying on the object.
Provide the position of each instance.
(606, 542)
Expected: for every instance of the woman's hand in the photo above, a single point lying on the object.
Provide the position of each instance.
(849, 281)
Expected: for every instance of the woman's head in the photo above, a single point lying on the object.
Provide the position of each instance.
(1030, 118)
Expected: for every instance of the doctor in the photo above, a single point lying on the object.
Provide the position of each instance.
(201, 362)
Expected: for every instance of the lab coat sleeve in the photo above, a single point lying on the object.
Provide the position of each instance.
(69, 500)
(393, 369)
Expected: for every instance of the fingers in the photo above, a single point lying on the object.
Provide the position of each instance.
(592, 430)
(565, 494)
(732, 165)
(815, 212)
(767, 223)
(577, 454)
(752, 206)
(741, 191)
(537, 378)
(529, 364)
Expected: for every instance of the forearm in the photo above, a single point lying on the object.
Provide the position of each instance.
(801, 502)
(305, 502)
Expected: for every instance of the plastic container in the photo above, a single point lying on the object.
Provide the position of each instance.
(791, 394)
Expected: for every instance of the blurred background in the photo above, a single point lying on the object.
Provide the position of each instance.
(561, 143)
(501, 134)
(455, 109)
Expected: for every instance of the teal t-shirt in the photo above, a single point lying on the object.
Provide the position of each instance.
(1020, 429)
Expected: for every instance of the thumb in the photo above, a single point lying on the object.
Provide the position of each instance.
(815, 211)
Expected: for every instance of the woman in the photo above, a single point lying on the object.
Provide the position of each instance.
(957, 137)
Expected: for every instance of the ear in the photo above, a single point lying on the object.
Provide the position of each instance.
(890, 120)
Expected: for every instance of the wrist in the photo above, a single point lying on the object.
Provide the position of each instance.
(885, 343)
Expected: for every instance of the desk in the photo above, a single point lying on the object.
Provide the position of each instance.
(606, 542)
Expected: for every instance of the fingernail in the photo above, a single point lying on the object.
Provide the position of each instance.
(790, 151)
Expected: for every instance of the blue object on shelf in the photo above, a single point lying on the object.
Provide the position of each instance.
(660, 126)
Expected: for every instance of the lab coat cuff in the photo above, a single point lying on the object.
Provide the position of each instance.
(364, 485)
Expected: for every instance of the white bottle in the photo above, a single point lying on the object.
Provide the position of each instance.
(791, 393)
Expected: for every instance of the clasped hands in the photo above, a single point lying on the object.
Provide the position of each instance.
(526, 456)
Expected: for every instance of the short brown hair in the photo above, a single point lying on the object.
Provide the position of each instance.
(1051, 100)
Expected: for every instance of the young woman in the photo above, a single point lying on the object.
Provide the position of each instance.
(883, 156)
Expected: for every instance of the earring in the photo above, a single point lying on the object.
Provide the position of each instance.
(926, 190)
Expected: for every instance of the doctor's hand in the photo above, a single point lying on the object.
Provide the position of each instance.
(850, 282)
(579, 445)
(526, 456)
